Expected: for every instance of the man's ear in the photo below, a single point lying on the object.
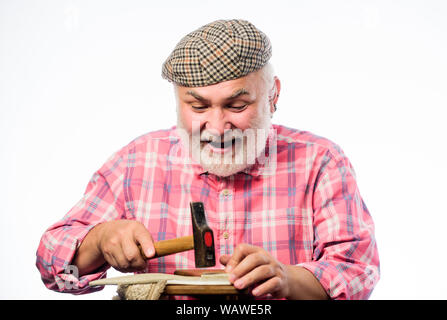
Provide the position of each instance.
(274, 94)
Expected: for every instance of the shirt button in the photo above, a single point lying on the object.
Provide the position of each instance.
(226, 235)
(226, 192)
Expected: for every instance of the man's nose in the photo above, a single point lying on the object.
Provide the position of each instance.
(217, 122)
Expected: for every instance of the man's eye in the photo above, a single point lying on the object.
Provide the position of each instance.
(237, 107)
(199, 107)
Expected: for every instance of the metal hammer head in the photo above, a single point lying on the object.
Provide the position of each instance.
(203, 237)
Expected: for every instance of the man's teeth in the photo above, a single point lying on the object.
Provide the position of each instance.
(219, 144)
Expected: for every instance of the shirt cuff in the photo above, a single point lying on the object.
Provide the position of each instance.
(67, 278)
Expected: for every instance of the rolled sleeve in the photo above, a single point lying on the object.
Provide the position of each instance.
(54, 256)
(345, 257)
(101, 202)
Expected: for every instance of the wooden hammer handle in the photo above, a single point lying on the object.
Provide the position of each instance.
(166, 247)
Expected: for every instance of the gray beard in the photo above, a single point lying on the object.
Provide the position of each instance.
(242, 155)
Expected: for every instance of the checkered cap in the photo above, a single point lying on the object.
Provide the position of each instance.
(219, 51)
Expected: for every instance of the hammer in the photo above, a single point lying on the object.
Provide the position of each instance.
(202, 240)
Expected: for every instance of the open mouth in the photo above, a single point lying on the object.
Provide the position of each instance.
(220, 144)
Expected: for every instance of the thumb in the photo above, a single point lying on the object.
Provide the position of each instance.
(145, 242)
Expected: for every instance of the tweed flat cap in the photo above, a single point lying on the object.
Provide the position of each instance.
(219, 51)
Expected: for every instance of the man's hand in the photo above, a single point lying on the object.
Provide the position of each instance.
(118, 242)
(254, 267)
(115, 243)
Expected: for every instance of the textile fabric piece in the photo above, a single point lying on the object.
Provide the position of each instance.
(144, 278)
(219, 51)
(149, 291)
(304, 210)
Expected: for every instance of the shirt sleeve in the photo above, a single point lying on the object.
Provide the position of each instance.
(345, 258)
(102, 201)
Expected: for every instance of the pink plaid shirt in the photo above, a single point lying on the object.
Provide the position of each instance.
(305, 210)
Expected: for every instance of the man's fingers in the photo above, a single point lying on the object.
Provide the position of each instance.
(239, 254)
(224, 259)
(132, 255)
(249, 263)
(253, 266)
(256, 273)
(119, 241)
(121, 262)
(272, 286)
(144, 239)
(110, 259)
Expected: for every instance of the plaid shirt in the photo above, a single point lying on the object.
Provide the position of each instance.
(306, 211)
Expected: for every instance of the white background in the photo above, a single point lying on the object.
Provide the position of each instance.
(81, 79)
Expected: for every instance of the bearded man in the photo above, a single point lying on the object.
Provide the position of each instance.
(287, 215)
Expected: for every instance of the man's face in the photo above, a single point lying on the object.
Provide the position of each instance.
(218, 117)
